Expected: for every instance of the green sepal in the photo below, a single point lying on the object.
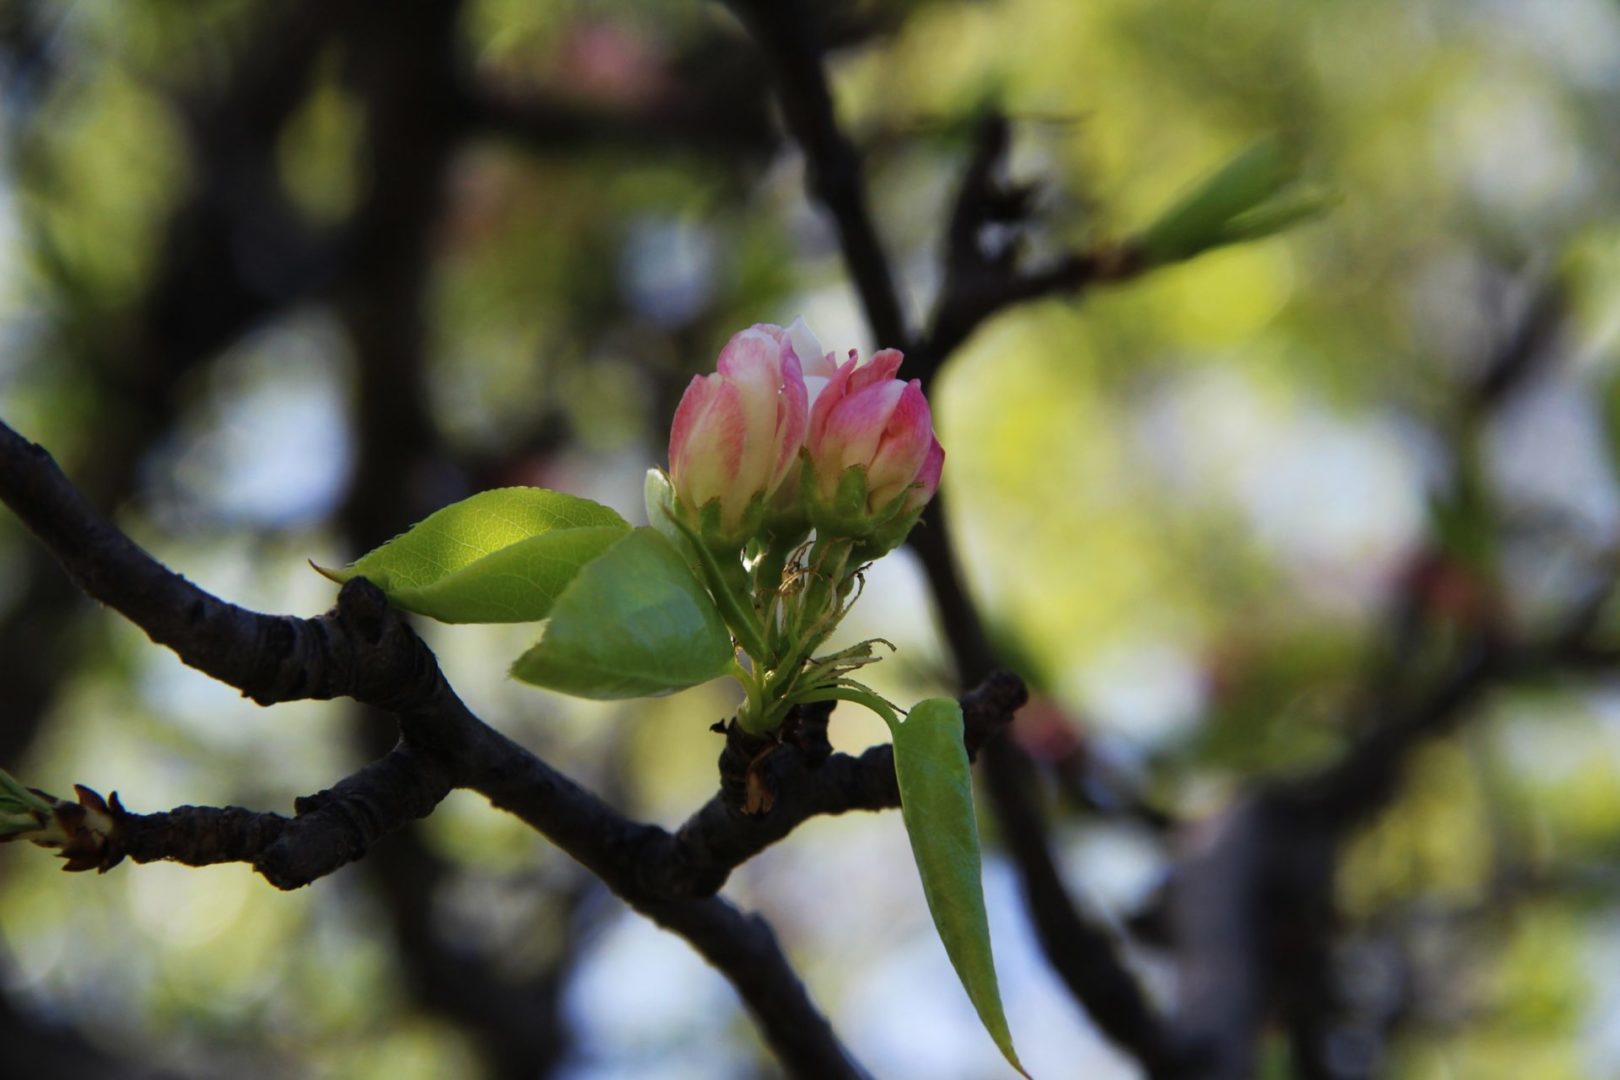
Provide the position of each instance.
(844, 514)
(888, 536)
(633, 623)
(500, 556)
(658, 494)
(849, 501)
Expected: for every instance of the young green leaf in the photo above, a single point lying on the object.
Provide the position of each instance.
(633, 623)
(936, 801)
(1278, 215)
(500, 556)
(1194, 224)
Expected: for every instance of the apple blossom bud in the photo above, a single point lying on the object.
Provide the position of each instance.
(737, 434)
(872, 459)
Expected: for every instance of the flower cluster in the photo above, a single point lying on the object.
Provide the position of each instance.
(779, 440)
(782, 438)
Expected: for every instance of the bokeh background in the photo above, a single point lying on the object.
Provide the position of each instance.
(277, 278)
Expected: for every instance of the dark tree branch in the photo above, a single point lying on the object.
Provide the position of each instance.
(363, 649)
(723, 835)
(405, 73)
(792, 37)
(1085, 956)
(236, 251)
(981, 280)
(193, 835)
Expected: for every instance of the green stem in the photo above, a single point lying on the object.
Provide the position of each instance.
(859, 697)
(13, 793)
(739, 614)
(752, 716)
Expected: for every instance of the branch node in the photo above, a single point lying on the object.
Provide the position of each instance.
(363, 606)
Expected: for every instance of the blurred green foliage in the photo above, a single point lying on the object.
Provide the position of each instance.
(1186, 501)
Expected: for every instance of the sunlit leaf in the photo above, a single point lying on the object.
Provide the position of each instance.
(936, 801)
(633, 623)
(499, 556)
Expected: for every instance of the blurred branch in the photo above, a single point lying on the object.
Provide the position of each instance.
(981, 280)
(668, 124)
(234, 249)
(791, 36)
(1255, 901)
(35, 1047)
(1524, 351)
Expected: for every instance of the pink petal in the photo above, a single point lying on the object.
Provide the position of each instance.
(712, 455)
(880, 368)
(831, 394)
(857, 425)
(927, 479)
(694, 402)
(807, 348)
(752, 362)
(751, 349)
(792, 417)
(903, 448)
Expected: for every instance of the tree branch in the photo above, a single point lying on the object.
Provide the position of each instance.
(363, 649)
(981, 280)
(1255, 900)
(788, 32)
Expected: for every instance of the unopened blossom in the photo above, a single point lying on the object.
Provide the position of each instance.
(737, 434)
(873, 458)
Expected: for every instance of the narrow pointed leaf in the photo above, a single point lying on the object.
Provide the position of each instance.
(936, 801)
(499, 556)
(1276, 216)
(634, 623)
(1194, 223)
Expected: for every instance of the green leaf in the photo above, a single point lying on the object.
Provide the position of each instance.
(500, 556)
(936, 800)
(1275, 216)
(633, 623)
(1195, 223)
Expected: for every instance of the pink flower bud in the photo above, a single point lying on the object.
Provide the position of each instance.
(873, 455)
(737, 434)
